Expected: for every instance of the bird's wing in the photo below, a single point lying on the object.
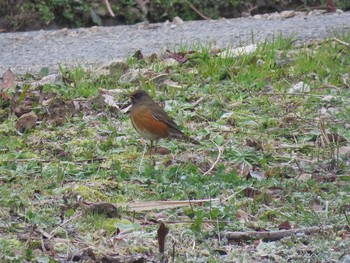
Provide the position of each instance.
(161, 115)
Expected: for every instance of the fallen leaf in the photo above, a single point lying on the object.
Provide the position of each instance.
(161, 151)
(161, 234)
(26, 121)
(299, 87)
(106, 209)
(109, 100)
(257, 174)
(8, 80)
(285, 226)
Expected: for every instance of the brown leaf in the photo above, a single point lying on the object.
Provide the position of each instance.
(284, 226)
(161, 234)
(107, 209)
(251, 192)
(253, 143)
(161, 151)
(26, 121)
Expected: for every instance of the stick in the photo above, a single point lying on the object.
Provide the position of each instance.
(109, 9)
(197, 11)
(216, 161)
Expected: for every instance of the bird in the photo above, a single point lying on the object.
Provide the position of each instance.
(151, 121)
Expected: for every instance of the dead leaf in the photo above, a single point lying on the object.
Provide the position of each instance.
(106, 209)
(251, 192)
(26, 121)
(161, 151)
(253, 143)
(8, 80)
(109, 100)
(284, 226)
(299, 88)
(256, 174)
(161, 234)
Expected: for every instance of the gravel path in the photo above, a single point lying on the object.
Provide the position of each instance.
(30, 51)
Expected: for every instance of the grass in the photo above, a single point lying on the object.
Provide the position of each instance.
(272, 153)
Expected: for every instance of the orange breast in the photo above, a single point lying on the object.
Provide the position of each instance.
(146, 125)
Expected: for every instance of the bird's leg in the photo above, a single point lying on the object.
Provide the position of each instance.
(151, 148)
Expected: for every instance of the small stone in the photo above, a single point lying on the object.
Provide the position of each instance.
(317, 12)
(287, 14)
(260, 62)
(177, 20)
(274, 16)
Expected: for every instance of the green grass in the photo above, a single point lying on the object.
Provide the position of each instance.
(274, 163)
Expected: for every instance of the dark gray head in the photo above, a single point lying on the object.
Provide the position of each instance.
(139, 96)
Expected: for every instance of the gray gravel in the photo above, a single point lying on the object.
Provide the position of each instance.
(30, 51)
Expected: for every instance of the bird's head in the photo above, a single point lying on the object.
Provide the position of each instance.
(139, 96)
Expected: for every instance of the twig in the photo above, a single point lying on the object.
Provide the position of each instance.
(216, 161)
(65, 222)
(109, 9)
(196, 103)
(197, 11)
(341, 42)
(272, 235)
